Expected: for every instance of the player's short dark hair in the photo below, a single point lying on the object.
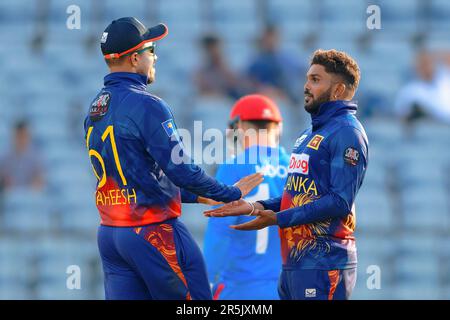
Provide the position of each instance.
(339, 63)
(270, 28)
(210, 40)
(20, 125)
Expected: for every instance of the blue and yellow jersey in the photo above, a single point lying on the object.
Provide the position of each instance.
(142, 170)
(316, 212)
(238, 256)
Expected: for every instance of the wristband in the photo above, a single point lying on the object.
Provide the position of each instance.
(253, 208)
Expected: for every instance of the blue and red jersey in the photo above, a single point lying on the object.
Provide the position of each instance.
(316, 212)
(142, 168)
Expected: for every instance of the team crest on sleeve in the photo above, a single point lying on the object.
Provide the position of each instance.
(169, 127)
(314, 143)
(351, 156)
(99, 106)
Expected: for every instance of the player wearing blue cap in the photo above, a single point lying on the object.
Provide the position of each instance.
(146, 252)
(316, 213)
(247, 265)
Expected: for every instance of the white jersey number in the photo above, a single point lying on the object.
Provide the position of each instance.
(262, 236)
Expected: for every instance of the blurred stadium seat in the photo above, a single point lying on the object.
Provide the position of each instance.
(374, 210)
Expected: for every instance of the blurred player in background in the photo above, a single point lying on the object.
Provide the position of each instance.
(247, 265)
(316, 213)
(215, 76)
(22, 166)
(147, 253)
(273, 70)
(427, 96)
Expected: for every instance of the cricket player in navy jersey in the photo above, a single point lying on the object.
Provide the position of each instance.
(316, 213)
(247, 265)
(146, 252)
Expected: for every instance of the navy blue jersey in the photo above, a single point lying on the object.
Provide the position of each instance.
(142, 170)
(237, 256)
(316, 213)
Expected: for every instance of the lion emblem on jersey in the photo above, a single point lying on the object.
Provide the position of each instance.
(302, 238)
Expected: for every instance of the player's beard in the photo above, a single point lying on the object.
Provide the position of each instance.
(314, 105)
(151, 76)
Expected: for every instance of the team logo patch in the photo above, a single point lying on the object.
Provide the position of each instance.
(314, 143)
(104, 37)
(299, 163)
(310, 293)
(351, 156)
(267, 113)
(300, 140)
(99, 106)
(169, 127)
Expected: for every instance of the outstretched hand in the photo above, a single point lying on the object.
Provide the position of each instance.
(264, 219)
(234, 208)
(247, 183)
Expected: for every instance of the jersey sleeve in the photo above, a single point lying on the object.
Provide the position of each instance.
(164, 145)
(217, 239)
(271, 204)
(188, 197)
(348, 162)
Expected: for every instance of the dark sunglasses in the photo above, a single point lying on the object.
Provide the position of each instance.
(151, 48)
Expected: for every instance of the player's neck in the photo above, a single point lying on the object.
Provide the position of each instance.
(122, 68)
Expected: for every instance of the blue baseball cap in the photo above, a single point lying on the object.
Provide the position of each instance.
(127, 34)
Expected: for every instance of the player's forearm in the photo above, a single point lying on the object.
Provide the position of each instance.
(193, 179)
(329, 206)
(270, 204)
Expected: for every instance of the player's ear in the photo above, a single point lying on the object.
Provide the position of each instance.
(339, 91)
(134, 59)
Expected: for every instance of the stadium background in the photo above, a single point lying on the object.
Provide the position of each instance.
(49, 74)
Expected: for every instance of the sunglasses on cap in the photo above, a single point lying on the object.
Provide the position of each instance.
(151, 46)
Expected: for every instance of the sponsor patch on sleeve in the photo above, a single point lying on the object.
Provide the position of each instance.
(351, 156)
(99, 106)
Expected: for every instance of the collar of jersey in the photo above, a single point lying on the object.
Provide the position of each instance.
(136, 80)
(332, 109)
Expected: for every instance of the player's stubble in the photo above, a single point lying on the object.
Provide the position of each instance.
(312, 105)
